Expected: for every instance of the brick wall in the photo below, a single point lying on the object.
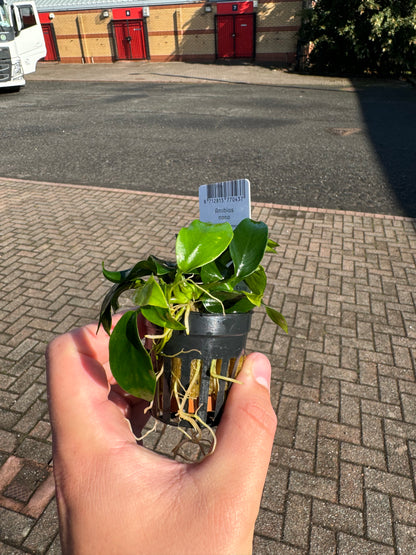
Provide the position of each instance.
(181, 32)
(277, 26)
(82, 37)
(176, 32)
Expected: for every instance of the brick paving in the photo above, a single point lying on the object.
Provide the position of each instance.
(342, 474)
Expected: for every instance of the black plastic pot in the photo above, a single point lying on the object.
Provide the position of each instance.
(212, 337)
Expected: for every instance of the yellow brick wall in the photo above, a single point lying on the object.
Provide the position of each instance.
(278, 14)
(82, 35)
(67, 36)
(94, 35)
(277, 42)
(178, 32)
(277, 26)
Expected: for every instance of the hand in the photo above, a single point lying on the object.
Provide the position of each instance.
(117, 497)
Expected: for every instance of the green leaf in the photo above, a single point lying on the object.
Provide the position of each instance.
(216, 286)
(151, 294)
(201, 243)
(161, 267)
(161, 317)
(241, 306)
(150, 266)
(210, 272)
(224, 261)
(271, 246)
(221, 300)
(140, 269)
(212, 305)
(257, 281)
(185, 291)
(277, 318)
(115, 277)
(254, 299)
(247, 247)
(110, 301)
(218, 270)
(130, 363)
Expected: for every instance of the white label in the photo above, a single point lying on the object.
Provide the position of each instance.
(228, 201)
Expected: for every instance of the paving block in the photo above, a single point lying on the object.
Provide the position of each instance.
(342, 473)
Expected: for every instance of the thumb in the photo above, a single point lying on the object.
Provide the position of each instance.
(246, 431)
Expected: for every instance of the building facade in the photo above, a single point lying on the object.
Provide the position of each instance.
(82, 31)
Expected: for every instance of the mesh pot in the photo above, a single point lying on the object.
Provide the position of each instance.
(215, 345)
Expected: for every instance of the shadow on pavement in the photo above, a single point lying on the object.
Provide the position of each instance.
(389, 112)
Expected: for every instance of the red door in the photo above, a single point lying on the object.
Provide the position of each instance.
(225, 36)
(129, 39)
(50, 42)
(244, 34)
(235, 36)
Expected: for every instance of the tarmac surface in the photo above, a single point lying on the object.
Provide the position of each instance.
(175, 72)
(342, 474)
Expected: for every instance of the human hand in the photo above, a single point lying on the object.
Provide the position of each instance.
(117, 497)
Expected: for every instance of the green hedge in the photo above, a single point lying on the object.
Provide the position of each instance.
(362, 36)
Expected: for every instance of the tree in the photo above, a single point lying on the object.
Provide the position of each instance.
(361, 36)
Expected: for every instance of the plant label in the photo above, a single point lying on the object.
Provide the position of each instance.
(227, 201)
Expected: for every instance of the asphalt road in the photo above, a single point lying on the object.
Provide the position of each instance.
(348, 149)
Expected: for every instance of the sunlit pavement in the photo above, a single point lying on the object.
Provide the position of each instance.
(342, 474)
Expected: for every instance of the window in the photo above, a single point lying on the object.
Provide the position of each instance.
(4, 19)
(6, 29)
(27, 16)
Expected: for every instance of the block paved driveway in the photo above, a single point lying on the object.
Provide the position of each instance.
(342, 474)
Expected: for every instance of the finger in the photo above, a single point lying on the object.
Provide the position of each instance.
(78, 391)
(246, 432)
(134, 409)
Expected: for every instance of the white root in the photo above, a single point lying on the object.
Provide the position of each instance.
(152, 429)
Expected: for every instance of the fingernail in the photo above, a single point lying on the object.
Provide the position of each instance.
(261, 370)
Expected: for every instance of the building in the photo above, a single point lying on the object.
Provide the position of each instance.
(103, 31)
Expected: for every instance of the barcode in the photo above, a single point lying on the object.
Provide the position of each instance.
(227, 189)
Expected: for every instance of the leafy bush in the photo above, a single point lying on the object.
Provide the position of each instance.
(362, 36)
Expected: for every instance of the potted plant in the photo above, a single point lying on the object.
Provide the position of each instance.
(181, 346)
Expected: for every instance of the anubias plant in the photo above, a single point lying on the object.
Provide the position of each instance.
(217, 270)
